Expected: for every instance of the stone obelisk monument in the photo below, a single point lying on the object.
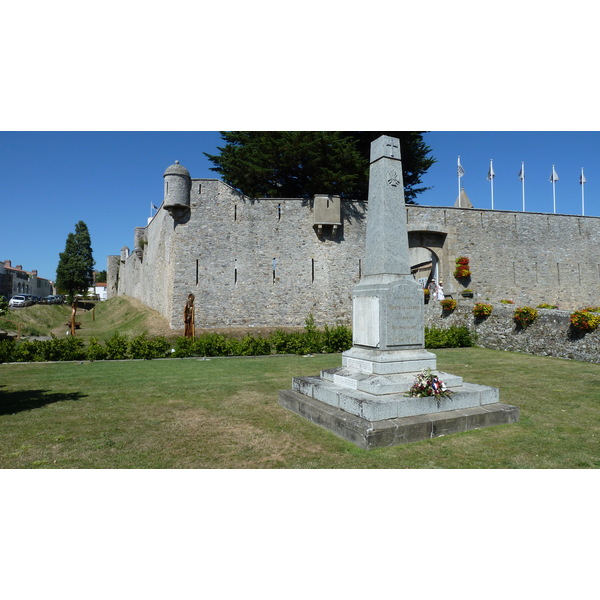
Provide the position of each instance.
(365, 400)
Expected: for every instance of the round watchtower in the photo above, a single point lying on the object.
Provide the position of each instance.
(178, 185)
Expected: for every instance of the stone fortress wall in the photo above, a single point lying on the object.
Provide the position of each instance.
(272, 262)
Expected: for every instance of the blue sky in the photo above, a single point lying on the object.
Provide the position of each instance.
(51, 180)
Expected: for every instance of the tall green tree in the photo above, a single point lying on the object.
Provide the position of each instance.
(299, 164)
(75, 271)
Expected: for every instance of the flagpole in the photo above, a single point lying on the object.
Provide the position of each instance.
(553, 190)
(492, 186)
(458, 171)
(582, 181)
(523, 182)
(491, 176)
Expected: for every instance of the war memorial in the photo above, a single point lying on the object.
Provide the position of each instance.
(366, 400)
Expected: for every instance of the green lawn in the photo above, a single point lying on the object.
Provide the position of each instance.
(224, 413)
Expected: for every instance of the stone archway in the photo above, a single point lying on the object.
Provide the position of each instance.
(426, 251)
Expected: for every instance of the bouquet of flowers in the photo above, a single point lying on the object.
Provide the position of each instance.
(427, 384)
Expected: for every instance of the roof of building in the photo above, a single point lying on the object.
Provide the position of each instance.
(176, 169)
(463, 200)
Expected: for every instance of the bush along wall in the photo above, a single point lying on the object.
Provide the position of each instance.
(310, 341)
(550, 333)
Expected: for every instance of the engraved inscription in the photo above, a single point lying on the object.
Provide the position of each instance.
(404, 318)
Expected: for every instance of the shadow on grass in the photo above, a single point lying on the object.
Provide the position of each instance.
(16, 402)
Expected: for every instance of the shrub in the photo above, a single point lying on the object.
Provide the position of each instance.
(584, 320)
(592, 309)
(253, 346)
(184, 347)
(3, 305)
(337, 339)
(548, 306)
(95, 351)
(69, 348)
(448, 304)
(28, 351)
(213, 344)
(143, 347)
(452, 337)
(482, 310)
(525, 316)
(117, 347)
(7, 351)
(507, 301)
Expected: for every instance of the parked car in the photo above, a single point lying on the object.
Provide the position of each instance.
(19, 300)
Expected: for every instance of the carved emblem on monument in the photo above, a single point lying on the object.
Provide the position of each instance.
(393, 178)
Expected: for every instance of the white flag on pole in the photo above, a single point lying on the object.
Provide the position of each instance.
(553, 176)
(491, 173)
(460, 170)
(522, 172)
(582, 179)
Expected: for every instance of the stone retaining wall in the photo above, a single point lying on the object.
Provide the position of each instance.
(550, 335)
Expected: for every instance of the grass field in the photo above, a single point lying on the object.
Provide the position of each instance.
(224, 413)
(126, 315)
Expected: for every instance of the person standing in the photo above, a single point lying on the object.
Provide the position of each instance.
(440, 291)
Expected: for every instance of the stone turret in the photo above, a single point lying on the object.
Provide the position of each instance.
(178, 185)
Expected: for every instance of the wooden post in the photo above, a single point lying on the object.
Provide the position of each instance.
(73, 313)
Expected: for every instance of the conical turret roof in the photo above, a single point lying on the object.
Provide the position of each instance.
(463, 201)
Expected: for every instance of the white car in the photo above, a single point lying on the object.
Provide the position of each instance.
(18, 301)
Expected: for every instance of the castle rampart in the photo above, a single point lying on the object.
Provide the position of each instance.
(272, 262)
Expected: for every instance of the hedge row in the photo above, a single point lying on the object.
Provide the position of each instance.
(118, 347)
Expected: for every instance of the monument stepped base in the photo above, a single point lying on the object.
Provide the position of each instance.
(402, 430)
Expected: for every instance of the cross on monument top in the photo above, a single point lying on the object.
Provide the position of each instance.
(385, 147)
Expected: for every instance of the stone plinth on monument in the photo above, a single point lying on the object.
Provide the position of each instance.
(365, 400)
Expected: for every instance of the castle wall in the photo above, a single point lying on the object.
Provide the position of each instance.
(148, 275)
(263, 263)
(531, 258)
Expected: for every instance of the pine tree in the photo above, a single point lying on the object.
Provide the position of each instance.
(75, 271)
(300, 164)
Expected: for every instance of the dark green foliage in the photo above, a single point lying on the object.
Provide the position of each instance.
(3, 305)
(253, 346)
(7, 351)
(55, 349)
(117, 347)
(300, 164)
(453, 337)
(310, 341)
(75, 271)
(143, 347)
(336, 339)
(95, 350)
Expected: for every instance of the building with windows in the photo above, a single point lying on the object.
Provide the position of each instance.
(15, 280)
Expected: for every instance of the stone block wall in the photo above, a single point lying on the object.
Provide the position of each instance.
(263, 262)
(550, 335)
(531, 258)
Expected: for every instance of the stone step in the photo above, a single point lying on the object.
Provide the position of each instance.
(392, 432)
(391, 406)
(380, 385)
